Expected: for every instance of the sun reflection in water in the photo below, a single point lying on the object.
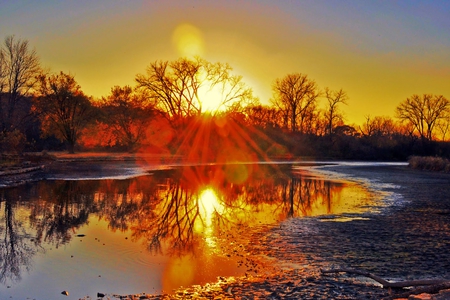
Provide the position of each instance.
(209, 205)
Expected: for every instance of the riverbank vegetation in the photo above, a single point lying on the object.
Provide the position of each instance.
(204, 111)
(430, 163)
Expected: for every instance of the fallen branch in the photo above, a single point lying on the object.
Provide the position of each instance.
(389, 284)
(433, 289)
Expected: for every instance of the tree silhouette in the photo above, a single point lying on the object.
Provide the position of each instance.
(423, 112)
(263, 116)
(19, 66)
(181, 87)
(332, 114)
(128, 114)
(63, 108)
(296, 96)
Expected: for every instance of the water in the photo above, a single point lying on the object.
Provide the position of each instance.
(154, 229)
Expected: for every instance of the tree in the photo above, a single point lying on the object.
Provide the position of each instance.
(443, 126)
(423, 112)
(311, 120)
(63, 108)
(296, 96)
(128, 113)
(19, 66)
(263, 116)
(332, 113)
(379, 126)
(232, 92)
(183, 87)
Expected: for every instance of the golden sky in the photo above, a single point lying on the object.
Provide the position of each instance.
(379, 52)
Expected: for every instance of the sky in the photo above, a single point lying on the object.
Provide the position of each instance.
(379, 52)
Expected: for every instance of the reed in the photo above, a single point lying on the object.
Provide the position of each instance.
(429, 163)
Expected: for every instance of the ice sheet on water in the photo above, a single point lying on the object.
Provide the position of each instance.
(344, 170)
(117, 173)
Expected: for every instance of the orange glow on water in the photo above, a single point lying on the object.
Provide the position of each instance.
(209, 204)
(179, 272)
(182, 226)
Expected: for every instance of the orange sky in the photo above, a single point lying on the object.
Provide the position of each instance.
(380, 52)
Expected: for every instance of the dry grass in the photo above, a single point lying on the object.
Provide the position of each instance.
(429, 163)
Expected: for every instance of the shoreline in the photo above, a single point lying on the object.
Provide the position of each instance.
(42, 165)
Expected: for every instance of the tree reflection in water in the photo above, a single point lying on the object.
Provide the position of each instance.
(171, 211)
(60, 209)
(16, 247)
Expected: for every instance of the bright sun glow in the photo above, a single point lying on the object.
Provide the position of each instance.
(211, 99)
(208, 205)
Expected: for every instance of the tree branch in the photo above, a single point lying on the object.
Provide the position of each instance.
(388, 284)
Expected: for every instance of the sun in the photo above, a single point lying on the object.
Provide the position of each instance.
(212, 99)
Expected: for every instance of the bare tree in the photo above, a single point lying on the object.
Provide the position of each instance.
(332, 113)
(234, 94)
(443, 126)
(379, 126)
(19, 67)
(263, 116)
(367, 128)
(310, 121)
(179, 86)
(63, 107)
(294, 95)
(423, 112)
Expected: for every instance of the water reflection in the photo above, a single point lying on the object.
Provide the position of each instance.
(187, 214)
(16, 247)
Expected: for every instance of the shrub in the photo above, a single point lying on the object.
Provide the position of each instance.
(429, 163)
(12, 142)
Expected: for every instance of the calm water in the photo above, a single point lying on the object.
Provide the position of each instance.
(154, 233)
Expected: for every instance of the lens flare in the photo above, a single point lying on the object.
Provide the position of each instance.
(188, 40)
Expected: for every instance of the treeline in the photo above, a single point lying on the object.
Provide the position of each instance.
(201, 109)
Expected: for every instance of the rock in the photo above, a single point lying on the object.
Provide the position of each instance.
(443, 295)
(423, 296)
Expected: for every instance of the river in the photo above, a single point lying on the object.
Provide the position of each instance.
(128, 228)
